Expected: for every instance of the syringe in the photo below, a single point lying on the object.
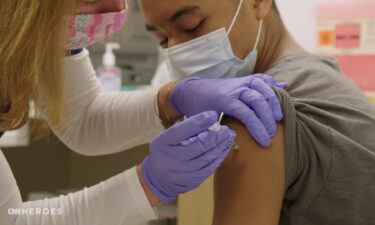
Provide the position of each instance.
(216, 127)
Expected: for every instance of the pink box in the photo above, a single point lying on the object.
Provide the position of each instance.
(347, 35)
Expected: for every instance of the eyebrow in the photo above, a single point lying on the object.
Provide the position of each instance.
(177, 15)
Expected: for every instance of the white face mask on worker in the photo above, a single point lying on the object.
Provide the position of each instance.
(211, 56)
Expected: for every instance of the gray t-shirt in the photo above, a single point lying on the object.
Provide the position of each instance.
(329, 144)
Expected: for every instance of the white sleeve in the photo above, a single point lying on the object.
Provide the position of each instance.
(117, 201)
(97, 122)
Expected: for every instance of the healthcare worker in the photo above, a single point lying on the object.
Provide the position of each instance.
(92, 122)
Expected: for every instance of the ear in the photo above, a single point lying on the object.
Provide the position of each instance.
(262, 8)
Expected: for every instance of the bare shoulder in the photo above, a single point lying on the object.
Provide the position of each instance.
(249, 185)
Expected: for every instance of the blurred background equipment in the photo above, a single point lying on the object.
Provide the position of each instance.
(346, 30)
(138, 55)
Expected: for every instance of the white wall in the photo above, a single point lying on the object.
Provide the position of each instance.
(299, 17)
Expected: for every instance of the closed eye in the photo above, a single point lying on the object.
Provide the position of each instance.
(195, 29)
(192, 31)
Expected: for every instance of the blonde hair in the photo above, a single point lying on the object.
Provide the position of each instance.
(32, 34)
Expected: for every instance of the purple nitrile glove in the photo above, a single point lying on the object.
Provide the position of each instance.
(185, 155)
(249, 99)
(270, 81)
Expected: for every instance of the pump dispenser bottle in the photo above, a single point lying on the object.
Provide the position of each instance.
(110, 75)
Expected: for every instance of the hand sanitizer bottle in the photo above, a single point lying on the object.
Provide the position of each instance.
(110, 75)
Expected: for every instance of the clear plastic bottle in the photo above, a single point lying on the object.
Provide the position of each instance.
(110, 75)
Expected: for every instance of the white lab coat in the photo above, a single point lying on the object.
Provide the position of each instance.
(96, 123)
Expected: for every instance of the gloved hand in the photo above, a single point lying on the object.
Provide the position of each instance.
(185, 155)
(248, 99)
(270, 81)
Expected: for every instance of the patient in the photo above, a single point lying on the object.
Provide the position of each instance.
(320, 168)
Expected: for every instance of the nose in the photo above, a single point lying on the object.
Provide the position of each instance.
(101, 6)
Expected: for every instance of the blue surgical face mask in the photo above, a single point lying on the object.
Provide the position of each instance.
(210, 56)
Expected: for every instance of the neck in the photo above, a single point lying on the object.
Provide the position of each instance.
(275, 43)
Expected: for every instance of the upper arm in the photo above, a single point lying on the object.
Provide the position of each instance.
(249, 185)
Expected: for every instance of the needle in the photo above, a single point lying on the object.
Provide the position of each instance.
(216, 126)
(221, 117)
